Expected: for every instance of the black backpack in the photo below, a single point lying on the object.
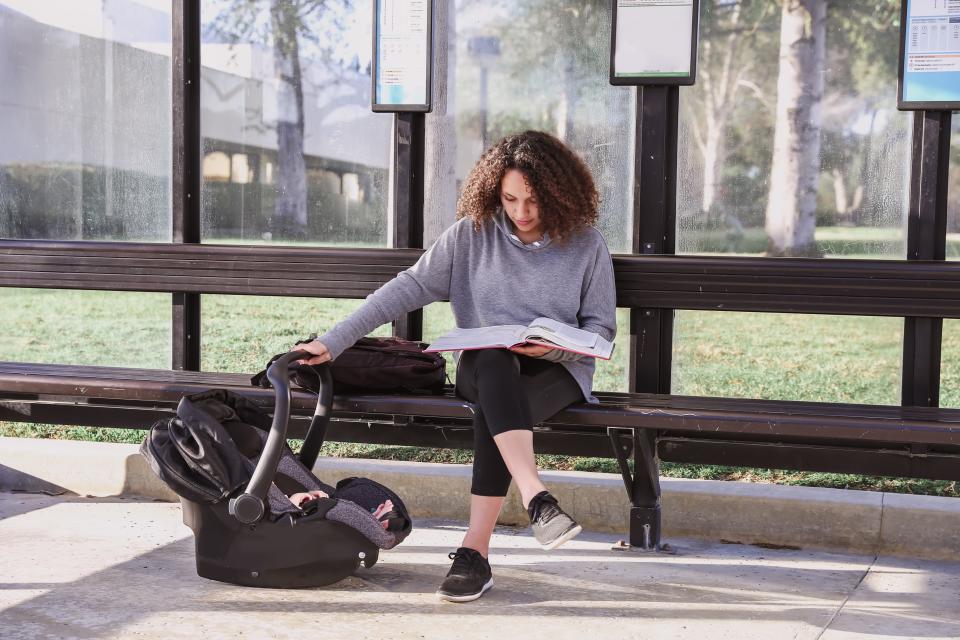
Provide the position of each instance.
(383, 365)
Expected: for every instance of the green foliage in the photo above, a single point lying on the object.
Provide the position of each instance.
(863, 40)
(847, 242)
(69, 202)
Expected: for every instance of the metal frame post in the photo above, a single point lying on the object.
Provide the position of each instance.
(186, 172)
(926, 240)
(408, 158)
(654, 230)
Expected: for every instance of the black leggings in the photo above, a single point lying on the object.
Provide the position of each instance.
(510, 391)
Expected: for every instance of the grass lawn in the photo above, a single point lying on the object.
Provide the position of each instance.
(749, 355)
(833, 242)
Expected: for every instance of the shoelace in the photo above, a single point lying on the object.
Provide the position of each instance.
(463, 561)
(544, 509)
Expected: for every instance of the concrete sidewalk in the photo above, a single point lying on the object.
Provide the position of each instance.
(77, 567)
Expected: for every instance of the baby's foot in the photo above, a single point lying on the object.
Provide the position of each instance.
(383, 510)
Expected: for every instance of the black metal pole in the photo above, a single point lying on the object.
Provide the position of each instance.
(926, 240)
(408, 154)
(186, 172)
(651, 329)
(654, 221)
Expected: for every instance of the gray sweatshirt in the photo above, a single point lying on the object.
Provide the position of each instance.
(491, 278)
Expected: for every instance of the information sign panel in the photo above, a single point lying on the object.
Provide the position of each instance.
(654, 42)
(929, 75)
(402, 47)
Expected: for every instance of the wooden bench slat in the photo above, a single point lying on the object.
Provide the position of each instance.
(192, 284)
(343, 270)
(178, 281)
(824, 286)
(704, 416)
(202, 252)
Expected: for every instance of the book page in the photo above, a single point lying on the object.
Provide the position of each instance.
(479, 338)
(602, 350)
(569, 335)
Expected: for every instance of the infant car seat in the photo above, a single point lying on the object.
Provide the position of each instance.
(233, 470)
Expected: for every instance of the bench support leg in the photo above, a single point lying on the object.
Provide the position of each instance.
(645, 528)
(643, 484)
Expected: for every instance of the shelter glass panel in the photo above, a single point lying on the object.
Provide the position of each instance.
(782, 356)
(291, 151)
(503, 67)
(85, 120)
(953, 192)
(790, 143)
(239, 334)
(106, 328)
(950, 364)
(437, 320)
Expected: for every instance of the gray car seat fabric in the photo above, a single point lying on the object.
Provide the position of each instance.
(352, 514)
(209, 451)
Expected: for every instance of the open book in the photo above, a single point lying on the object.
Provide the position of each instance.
(542, 331)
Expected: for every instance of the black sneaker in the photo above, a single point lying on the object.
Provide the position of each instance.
(551, 526)
(468, 578)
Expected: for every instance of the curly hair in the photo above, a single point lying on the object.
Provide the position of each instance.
(561, 182)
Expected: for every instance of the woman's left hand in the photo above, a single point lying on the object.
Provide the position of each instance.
(532, 350)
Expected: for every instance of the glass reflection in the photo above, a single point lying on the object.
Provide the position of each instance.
(501, 67)
(790, 142)
(291, 150)
(85, 119)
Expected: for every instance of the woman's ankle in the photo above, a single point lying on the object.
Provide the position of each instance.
(529, 493)
(482, 549)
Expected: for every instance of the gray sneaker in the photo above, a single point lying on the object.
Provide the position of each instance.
(551, 526)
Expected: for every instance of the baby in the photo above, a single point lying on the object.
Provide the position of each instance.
(382, 513)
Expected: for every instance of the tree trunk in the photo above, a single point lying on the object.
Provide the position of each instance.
(290, 213)
(791, 207)
(714, 158)
(440, 161)
(842, 199)
(720, 86)
(567, 107)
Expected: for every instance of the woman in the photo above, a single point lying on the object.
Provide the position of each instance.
(524, 246)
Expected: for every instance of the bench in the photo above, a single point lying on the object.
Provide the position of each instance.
(632, 428)
(641, 429)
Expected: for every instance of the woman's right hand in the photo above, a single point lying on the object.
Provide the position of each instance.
(319, 351)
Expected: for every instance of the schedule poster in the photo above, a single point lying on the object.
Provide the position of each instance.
(402, 55)
(930, 55)
(654, 42)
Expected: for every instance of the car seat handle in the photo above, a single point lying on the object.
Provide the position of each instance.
(279, 376)
(317, 432)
